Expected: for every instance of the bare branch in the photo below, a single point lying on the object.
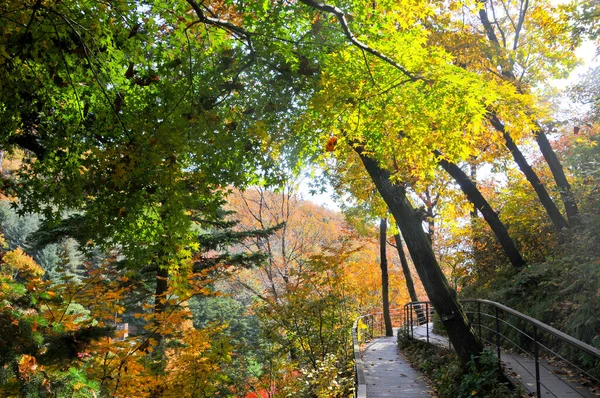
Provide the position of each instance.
(498, 24)
(491, 35)
(522, 12)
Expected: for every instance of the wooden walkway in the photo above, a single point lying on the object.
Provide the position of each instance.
(522, 370)
(387, 372)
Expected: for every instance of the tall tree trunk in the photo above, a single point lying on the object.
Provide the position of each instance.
(559, 177)
(557, 219)
(385, 291)
(160, 305)
(540, 136)
(475, 197)
(410, 285)
(434, 281)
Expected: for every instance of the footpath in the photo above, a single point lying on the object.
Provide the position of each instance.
(387, 372)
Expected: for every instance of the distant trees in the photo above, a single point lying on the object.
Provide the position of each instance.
(316, 277)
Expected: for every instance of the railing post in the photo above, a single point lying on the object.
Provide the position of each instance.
(372, 318)
(381, 326)
(427, 320)
(497, 335)
(412, 331)
(479, 320)
(537, 363)
(406, 319)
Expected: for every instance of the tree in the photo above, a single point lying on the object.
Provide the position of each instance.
(306, 299)
(389, 331)
(490, 216)
(530, 42)
(410, 285)
(553, 212)
(439, 292)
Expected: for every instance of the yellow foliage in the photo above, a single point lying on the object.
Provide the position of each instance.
(21, 264)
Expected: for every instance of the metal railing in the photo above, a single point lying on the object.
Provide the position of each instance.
(502, 327)
(417, 313)
(364, 329)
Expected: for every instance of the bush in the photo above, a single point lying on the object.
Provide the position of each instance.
(450, 379)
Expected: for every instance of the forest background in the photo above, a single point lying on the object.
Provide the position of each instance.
(149, 158)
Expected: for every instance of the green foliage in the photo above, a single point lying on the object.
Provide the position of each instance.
(138, 117)
(38, 347)
(240, 331)
(556, 292)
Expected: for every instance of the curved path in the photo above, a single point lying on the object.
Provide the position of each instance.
(387, 372)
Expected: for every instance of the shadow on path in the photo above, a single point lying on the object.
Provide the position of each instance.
(387, 372)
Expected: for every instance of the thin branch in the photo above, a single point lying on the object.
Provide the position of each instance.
(341, 17)
(36, 7)
(491, 35)
(62, 54)
(487, 25)
(498, 24)
(222, 23)
(86, 54)
(508, 14)
(522, 12)
(369, 69)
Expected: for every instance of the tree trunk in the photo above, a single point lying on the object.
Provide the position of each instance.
(385, 292)
(557, 219)
(160, 305)
(473, 171)
(160, 294)
(559, 177)
(410, 285)
(540, 136)
(475, 197)
(434, 281)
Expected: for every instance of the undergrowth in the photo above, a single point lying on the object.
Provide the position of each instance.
(450, 379)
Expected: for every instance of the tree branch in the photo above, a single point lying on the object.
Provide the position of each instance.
(222, 23)
(498, 25)
(523, 11)
(491, 35)
(341, 17)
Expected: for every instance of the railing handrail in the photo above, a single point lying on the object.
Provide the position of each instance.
(361, 384)
(540, 325)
